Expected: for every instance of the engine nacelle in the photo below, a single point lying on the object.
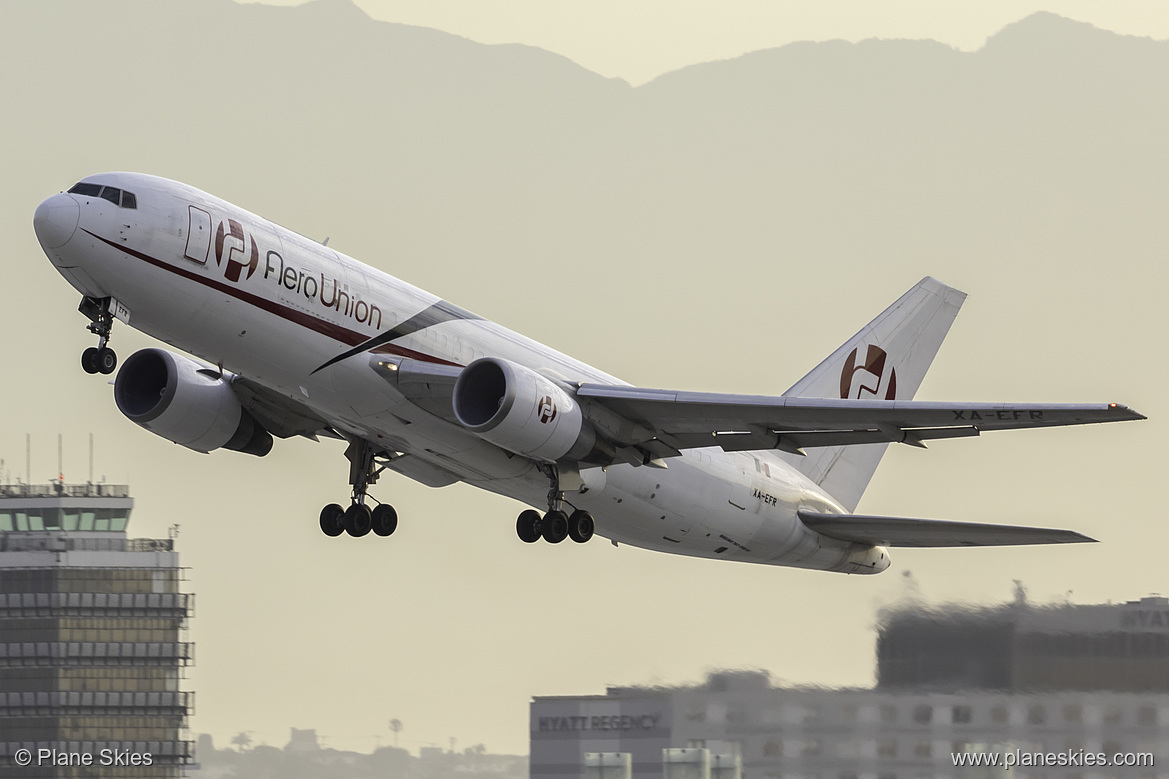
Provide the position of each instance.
(182, 401)
(518, 409)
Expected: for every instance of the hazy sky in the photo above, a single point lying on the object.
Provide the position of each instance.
(697, 256)
(642, 39)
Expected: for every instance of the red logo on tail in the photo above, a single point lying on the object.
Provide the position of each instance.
(874, 378)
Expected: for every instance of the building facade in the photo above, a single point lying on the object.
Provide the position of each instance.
(1023, 647)
(92, 638)
(1073, 682)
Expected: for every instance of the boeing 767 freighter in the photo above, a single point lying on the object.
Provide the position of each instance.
(300, 340)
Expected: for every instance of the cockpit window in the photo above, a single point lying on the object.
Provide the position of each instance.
(82, 188)
(116, 196)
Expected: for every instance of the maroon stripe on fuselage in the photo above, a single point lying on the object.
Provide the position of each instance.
(327, 329)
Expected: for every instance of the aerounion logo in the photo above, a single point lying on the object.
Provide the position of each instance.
(547, 409)
(875, 378)
(231, 247)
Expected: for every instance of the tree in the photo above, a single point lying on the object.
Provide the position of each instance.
(242, 740)
(396, 726)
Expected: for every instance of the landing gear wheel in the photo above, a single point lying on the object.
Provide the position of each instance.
(384, 519)
(527, 527)
(100, 312)
(89, 360)
(107, 360)
(331, 524)
(358, 520)
(554, 527)
(581, 526)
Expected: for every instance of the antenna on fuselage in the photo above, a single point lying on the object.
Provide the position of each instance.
(325, 242)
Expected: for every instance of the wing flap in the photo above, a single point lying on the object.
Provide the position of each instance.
(907, 532)
(750, 441)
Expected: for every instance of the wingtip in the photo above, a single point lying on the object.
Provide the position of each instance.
(1125, 412)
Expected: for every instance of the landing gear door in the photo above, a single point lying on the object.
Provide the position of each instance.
(119, 310)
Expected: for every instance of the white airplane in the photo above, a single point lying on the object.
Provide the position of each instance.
(306, 341)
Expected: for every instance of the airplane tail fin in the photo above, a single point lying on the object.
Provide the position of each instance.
(886, 360)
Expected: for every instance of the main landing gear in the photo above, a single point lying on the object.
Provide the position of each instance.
(100, 358)
(556, 525)
(358, 520)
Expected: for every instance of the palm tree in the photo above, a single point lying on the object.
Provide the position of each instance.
(396, 726)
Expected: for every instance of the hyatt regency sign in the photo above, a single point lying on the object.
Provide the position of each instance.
(618, 722)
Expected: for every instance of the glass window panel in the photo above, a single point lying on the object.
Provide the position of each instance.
(86, 521)
(128, 200)
(36, 522)
(102, 523)
(82, 188)
(118, 522)
(51, 518)
(112, 194)
(69, 519)
(6, 521)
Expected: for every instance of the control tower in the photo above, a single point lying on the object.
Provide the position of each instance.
(92, 629)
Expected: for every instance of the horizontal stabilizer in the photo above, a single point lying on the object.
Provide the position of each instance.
(906, 532)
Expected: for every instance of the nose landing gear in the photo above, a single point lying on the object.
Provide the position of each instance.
(100, 358)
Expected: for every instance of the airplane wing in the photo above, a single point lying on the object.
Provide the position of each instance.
(682, 420)
(906, 532)
(650, 423)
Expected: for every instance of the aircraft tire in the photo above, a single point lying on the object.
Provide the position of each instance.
(384, 519)
(358, 520)
(331, 516)
(89, 360)
(107, 360)
(527, 527)
(554, 527)
(581, 526)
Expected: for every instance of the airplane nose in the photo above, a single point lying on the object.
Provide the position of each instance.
(55, 221)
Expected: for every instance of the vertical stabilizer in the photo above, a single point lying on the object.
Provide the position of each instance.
(886, 360)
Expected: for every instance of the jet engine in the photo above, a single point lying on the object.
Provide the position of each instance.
(518, 409)
(182, 401)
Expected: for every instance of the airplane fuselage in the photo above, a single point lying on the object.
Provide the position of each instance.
(268, 304)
